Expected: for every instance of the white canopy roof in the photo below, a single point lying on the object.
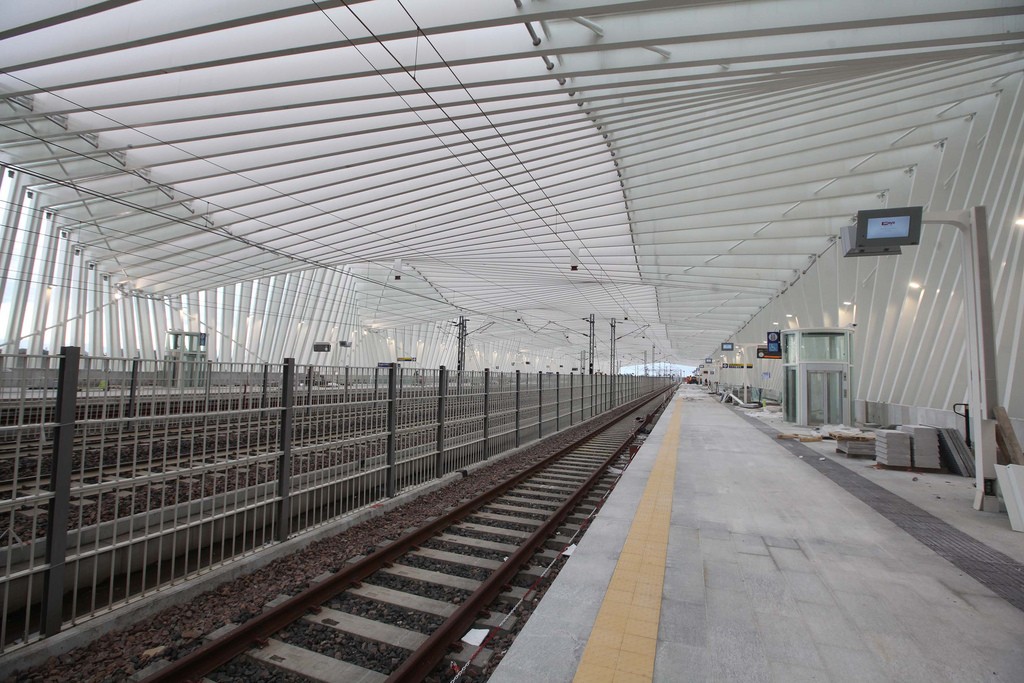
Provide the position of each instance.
(526, 161)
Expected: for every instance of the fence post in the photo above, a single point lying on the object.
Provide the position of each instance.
(583, 397)
(52, 607)
(266, 382)
(309, 385)
(593, 394)
(284, 463)
(558, 401)
(487, 410)
(517, 409)
(133, 389)
(442, 399)
(540, 404)
(392, 407)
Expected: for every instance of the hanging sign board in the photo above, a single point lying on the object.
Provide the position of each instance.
(321, 347)
(773, 349)
(404, 359)
(709, 360)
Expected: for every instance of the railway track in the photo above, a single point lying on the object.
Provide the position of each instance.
(398, 613)
(128, 448)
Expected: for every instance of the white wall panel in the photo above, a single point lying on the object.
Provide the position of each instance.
(910, 352)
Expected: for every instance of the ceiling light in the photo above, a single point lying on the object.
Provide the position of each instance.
(1020, 222)
(789, 315)
(914, 285)
(847, 303)
(775, 323)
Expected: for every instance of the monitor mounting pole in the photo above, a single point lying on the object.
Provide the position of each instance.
(973, 224)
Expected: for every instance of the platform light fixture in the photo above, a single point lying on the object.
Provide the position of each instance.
(847, 303)
(914, 285)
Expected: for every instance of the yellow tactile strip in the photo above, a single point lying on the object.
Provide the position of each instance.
(623, 641)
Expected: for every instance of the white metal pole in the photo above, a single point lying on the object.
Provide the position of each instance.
(980, 345)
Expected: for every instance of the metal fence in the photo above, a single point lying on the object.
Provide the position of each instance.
(121, 477)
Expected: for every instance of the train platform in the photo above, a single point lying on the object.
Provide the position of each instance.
(726, 554)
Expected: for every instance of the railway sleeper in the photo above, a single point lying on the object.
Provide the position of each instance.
(455, 558)
(534, 502)
(428, 576)
(387, 634)
(312, 665)
(516, 511)
(497, 531)
(539, 497)
(472, 542)
(505, 519)
(547, 488)
(568, 479)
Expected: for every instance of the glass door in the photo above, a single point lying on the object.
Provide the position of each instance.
(825, 393)
(791, 390)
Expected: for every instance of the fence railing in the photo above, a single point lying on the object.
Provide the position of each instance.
(121, 477)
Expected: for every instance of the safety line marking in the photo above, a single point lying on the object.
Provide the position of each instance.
(623, 642)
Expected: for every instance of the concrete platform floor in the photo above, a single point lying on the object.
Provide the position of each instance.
(773, 572)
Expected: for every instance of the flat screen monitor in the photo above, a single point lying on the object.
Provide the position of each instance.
(727, 346)
(881, 228)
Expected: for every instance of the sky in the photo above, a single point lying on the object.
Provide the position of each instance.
(657, 369)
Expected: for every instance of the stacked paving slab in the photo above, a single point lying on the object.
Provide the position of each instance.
(855, 448)
(925, 445)
(892, 448)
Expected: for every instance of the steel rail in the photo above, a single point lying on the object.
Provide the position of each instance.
(423, 660)
(194, 666)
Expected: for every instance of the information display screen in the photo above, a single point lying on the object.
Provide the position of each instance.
(881, 228)
(891, 226)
